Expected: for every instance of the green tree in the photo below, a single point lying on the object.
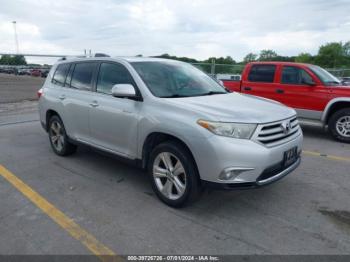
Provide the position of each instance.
(12, 60)
(5, 60)
(251, 57)
(330, 55)
(304, 58)
(346, 49)
(267, 55)
(19, 60)
(228, 60)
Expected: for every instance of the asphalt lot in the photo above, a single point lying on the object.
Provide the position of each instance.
(308, 212)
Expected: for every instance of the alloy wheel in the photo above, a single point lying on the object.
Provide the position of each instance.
(343, 126)
(57, 136)
(169, 175)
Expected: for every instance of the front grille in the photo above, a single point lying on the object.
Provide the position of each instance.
(277, 133)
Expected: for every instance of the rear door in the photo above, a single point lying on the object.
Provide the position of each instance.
(113, 120)
(261, 81)
(77, 99)
(54, 92)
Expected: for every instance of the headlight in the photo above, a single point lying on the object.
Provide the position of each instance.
(242, 131)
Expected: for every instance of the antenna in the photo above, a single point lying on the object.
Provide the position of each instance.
(16, 39)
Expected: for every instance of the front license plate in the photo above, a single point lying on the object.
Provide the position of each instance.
(290, 156)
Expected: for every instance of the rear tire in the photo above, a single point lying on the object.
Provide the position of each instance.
(58, 138)
(339, 125)
(173, 174)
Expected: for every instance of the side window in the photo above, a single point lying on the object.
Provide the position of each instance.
(83, 76)
(295, 75)
(60, 74)
(262, 73)
(111, 74)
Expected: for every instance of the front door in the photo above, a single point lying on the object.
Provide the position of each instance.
(113, 120)
(302, 90)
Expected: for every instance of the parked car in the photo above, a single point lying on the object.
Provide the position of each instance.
(22, 72)
(316, 95)
(345, 81)
(35, 72)
(230, 80)
(44, 73)
(171, 119)
(9, 71)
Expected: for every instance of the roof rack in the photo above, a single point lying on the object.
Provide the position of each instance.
(101, 55)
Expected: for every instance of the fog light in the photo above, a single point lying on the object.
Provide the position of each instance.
(232, 172)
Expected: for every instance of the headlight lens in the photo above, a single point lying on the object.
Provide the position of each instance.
(236, 130)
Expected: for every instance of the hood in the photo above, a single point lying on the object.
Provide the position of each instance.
(235, 107)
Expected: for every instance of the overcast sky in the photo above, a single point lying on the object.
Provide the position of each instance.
(193, 28)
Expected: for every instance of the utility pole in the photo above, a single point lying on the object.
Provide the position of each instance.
(16, 38)
(212, 69)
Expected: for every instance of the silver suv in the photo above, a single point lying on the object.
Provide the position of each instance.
(171, 119)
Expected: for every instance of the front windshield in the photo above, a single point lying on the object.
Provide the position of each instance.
(173, 79)
(326, 77)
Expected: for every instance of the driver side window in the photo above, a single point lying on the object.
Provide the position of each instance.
(295, 76)
(111, 74)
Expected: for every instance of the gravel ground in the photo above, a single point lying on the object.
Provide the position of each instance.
(19, 88)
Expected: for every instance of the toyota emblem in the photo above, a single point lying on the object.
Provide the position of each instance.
(286, 126)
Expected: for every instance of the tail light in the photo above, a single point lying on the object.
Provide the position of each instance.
(40, 92)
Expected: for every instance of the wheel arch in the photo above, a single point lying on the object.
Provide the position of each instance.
(156, 138)
(333, 106)
(50, 113)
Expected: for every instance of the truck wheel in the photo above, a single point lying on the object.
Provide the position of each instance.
(339, 125)
(59, 139)
(173, 174)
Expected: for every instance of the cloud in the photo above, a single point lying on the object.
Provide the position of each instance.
(195, 28)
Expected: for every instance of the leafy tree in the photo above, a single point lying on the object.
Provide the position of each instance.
(19, 60)
(267, 55)
(304, 58)
(228, 60)
(250, 58)
(184, 59)
(330, 55)
(346, 49)
(12, 60)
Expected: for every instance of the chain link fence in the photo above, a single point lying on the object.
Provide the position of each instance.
(339, 72)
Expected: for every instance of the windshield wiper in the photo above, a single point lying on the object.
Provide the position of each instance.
(173, 96)
(213, 93)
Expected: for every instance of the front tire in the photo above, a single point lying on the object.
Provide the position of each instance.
(58, 137)
(339, 125)
(173, 174)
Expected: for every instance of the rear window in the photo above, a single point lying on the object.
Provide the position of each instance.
(262, 73)
(60, 75)
(83, 76)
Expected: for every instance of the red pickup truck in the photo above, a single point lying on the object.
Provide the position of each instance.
(315, 94)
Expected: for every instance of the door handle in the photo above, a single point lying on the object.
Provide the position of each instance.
(62, 97)
(279, 91)
(94, 104)
(247, 88)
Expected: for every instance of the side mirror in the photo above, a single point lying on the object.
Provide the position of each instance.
(123, 90)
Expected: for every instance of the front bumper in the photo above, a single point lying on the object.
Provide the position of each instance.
(269, 176)
(261, 165)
